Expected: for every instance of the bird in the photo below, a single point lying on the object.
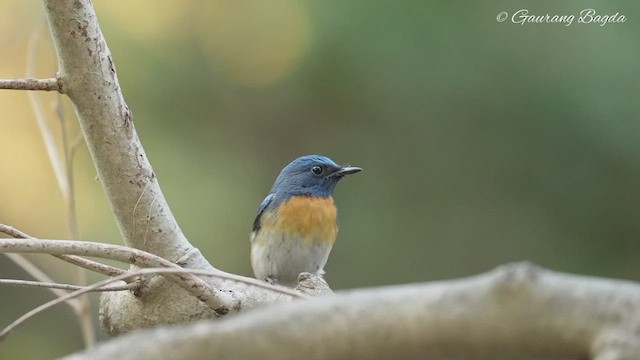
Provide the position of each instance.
(297, 223)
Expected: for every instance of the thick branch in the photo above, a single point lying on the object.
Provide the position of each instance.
(514, 312)
(90, 80)
(31, 84)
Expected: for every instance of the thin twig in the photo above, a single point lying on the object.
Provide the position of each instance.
(75, 260)
(54, 286)
(11, 231)
(76, 305)
(91, 265)
(51, 84)
(39, 275)
(47, 134)
(68, 164)
(84, 315)
(151, 271)
(75, 144)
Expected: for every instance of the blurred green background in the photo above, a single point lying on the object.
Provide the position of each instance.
(482, 142)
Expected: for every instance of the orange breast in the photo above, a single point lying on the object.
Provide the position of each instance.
(311, 218)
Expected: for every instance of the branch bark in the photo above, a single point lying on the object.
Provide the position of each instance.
(517, 311)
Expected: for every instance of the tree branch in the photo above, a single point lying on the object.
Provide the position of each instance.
(102, 284)
(52, 285)
(88, 72)
(39, 275)
(514, 312)
(75, 260)
(51, 84)
(219, 301)
(91, 265)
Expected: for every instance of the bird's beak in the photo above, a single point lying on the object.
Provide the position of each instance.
(345, 170)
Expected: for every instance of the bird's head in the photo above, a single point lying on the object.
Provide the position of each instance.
(312, 175)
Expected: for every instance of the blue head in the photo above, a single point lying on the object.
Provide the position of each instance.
(311, 175)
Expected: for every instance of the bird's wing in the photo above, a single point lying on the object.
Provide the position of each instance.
(263, 206)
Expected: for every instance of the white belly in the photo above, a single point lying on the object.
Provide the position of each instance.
(282, 258)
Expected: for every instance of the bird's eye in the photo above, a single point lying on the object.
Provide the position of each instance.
(317, 170)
